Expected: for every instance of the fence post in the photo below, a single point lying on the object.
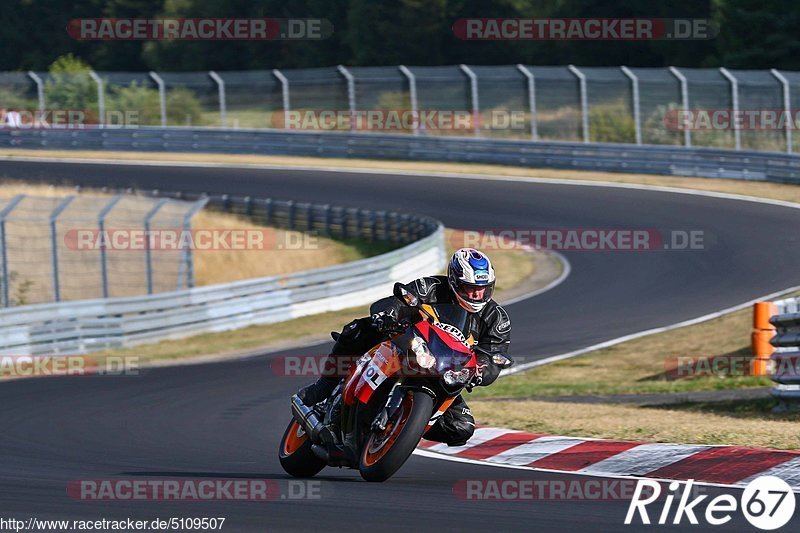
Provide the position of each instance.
(531, 100)
(39, 88)
(787, 107)
(162, 96)
(637, 118)
(3, 251)
(101, 98)
(351, 94)
(737, 131)
(101, 224)
(223, 108)
(584, 101)
(285, 92)
(54, 244)
(476, 110)
(412, 93)
(687, 132)
(147, 252)
(187, 254)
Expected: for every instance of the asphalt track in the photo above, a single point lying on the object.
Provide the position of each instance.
(224, 420)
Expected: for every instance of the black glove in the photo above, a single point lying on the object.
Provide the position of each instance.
(481, 364)
(385, 323)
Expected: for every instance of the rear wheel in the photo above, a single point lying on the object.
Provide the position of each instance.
(384, 453)
(295, 453)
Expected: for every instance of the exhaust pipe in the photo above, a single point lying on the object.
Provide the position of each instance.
(306, 417)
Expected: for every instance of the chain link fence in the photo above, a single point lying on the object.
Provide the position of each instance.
(739, 109)
(82, 246)
(54, 248)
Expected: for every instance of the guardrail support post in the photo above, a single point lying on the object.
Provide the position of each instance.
(188, 257)
(787, 108)
(476, 108)
(412, 94)
(54, 244)
(737, 130)
(101, 226)
(290, 215)
(351, 94)
(147, 252)
(223, 108)
(637, 118)
(39, 88)
(531, 99)
(268, 211)
(285, 92)
(162, 96)
(687, 132)
(101, 98)
(584, 101)
(3, 249)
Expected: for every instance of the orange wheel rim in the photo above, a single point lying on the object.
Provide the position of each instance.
(379, 444)
(295, 437)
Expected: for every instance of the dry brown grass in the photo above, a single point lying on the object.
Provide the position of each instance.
(752, 188)
(640, 365)
(649, 424)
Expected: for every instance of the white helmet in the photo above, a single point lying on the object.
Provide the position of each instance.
(471, 277)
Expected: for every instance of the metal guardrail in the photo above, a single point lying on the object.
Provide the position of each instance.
(89, 325)
(652, 159)
(786, 358)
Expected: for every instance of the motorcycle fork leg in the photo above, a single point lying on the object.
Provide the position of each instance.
(392, 405)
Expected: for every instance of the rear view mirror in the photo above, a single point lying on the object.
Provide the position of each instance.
(403, 295)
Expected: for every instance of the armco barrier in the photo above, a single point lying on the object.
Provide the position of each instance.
(651, 159)
(89, 325)
(785, 359)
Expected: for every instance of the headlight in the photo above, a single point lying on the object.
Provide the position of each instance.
(425, 358)
(451, 377)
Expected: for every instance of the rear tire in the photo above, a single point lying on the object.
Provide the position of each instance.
(295, 453)
(384, 454)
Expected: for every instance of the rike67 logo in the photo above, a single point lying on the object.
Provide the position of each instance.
(767, 503)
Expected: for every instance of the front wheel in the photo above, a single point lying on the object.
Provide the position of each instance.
(295, 453)
(384, 453)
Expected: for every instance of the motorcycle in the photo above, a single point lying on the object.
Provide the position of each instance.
(378, 413)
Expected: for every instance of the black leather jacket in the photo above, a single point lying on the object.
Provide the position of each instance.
(490, 327)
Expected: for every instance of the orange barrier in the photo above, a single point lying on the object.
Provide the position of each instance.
(762, 332)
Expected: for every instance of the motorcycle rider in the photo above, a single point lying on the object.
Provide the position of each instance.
(470, 283)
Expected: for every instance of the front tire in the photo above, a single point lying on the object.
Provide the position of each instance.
(383, 454)
(295, 453)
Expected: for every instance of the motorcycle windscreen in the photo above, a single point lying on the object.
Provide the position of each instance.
(450, 354)
(453, 315)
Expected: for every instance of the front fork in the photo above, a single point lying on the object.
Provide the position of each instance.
(396, 396)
